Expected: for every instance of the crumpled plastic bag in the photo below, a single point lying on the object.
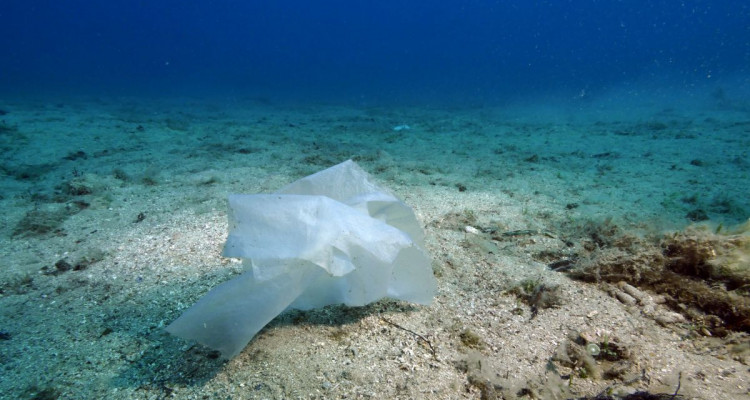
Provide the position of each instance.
(329, 238)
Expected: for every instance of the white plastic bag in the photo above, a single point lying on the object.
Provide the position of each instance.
(329, 238)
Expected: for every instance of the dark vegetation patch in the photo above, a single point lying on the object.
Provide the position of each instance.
(164, 365)
(697, 215)
(178, 124)
(47, 219)
(456, 220)
(5, 128)
(538, 294)
(17, 284)
(606, 155)
(222, 148)
(39, 222)
(42, 393)
(321, 160)
(703, 273)
(470, 339)
(76, 262)
(721, 206)
(120, 174)
(75, 155)
(725, 205)
(79, 186)
(653, 126)
(28, 172)
(150, 176)
(597, 357)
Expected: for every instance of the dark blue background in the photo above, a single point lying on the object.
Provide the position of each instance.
(354, 50)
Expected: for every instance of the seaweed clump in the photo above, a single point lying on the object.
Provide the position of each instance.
(538, 295)
(702, 273)
(38, 222)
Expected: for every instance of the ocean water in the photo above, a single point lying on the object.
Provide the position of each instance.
(531, 138)
(364, 52)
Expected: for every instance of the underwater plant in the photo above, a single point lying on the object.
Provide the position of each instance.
(703, 272)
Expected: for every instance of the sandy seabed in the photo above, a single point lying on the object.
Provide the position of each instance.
(114, 216)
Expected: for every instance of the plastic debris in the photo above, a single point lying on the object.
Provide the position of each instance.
(329, 238)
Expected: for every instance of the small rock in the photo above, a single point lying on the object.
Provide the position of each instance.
(625, 298)
(638, 294)
(669, 317)
(63, 266)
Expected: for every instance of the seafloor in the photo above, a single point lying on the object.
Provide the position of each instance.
(602, 255)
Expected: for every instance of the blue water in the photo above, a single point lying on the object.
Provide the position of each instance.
(353, 51)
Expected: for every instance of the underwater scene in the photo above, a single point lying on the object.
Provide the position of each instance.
(375, 200)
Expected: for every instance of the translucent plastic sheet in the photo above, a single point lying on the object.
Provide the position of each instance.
(329, 238)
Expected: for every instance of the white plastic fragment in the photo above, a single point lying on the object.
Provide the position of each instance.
(472, 230)
(332, 237)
